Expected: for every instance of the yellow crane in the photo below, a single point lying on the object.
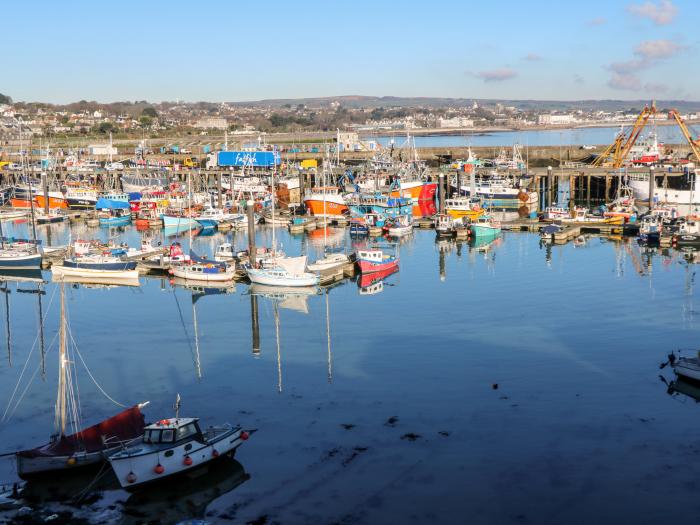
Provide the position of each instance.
(615, 154)
(694, 144)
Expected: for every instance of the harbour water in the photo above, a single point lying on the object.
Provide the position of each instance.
(553, 137)
(517, 383)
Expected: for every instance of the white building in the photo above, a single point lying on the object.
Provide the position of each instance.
(211, 123)
(101, 149)
(555, 119)
(455, 122)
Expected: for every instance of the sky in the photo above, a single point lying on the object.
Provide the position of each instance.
(237, 51)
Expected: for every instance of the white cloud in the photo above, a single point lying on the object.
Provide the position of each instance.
(648, 53)
(625, 81)
(657, 49)
(578, 79)
(661, 14)
(532, 57)
(655, 88)
(497, 75)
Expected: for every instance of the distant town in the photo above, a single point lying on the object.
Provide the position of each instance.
(357, 114)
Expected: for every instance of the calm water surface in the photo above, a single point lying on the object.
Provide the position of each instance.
(557, 137)
(398, 420)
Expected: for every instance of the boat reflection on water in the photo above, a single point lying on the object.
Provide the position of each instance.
(683, 386)
(186, 498)
(289, 297)
(22, 276)
(205, 288)
(95, 281)
(171, 501)
(373, 283)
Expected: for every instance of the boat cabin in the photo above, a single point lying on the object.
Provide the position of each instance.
(376, 256)
(172, 430)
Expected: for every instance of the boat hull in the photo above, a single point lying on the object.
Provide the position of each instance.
(100, 275)
(477, 230)
(689, 368)
(170, 221)
(31, 468)
(21, 262)
(371, 267)
(189, 275)
(262, 277)
(140, 467)
(332, 209)
(417, 191)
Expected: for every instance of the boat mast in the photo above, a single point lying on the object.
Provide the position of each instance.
(61, 398)
(197, 363)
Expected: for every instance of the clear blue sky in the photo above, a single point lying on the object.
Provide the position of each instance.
(219, 50)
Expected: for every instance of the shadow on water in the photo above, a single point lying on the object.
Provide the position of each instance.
(185, 496)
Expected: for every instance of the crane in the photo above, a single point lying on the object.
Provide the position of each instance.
(694, 144)
(617, 151)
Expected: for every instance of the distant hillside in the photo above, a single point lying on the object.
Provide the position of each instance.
(356, 101)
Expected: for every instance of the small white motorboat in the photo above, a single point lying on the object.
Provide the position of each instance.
(328, 261)
(173, 446)
(283, 271)
(688, 367)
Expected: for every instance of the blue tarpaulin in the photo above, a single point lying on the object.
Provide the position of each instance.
(110, 204)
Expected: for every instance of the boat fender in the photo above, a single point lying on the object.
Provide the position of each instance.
(244, 435)
(163, 422)
(71, 461)
(159, 469)
(131, 477)
(187, 461)
(214, 453)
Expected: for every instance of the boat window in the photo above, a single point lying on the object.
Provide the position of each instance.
(186, 431)
(151, 436)
(167, 436)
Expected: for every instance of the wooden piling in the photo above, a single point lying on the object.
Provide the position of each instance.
(250, 209)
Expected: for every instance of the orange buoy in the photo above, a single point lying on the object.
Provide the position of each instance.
(214, 453)
(131, 477)
(244, 435)
(187, 461)
(159, 469)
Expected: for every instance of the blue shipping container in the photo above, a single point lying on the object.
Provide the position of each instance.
(248, 158)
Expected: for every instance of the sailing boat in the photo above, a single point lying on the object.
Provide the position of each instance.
(332, 259)
(87, 447)
(279, 270)
(200, 269)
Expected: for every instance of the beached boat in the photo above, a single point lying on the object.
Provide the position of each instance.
(376, 261)
(173, 446)
(88, 447)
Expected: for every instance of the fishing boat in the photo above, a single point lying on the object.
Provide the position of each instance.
(367, 280)
(358, 226)
(376, 260)
(484, 226)
(554, 213)
(446, 225)
(213, 217)
(114, 217)
(173, 446)
(458, 207)
(361, 204)
(498, 192)
(688, 233)
(399, 226)
(326, 201)
(19, 254)
(225, 253)
(650, 228)
(79, 198)
(87, 447)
